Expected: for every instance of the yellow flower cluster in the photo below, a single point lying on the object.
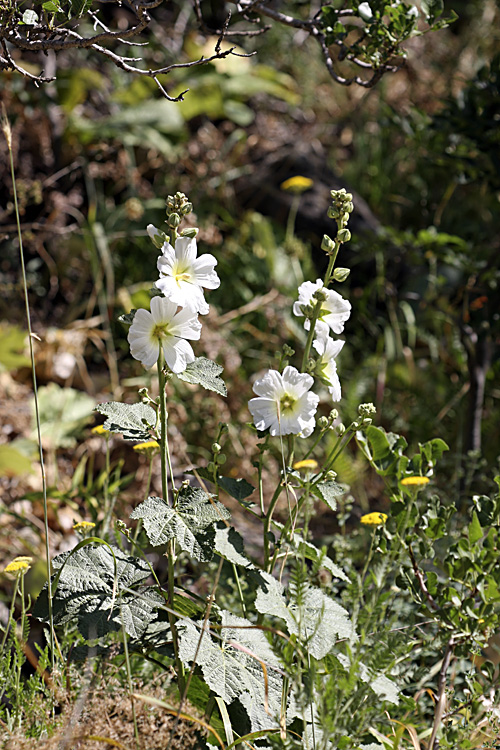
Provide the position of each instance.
(414, 481)
(297, 185)
(308, 464)
(19, 564)
(148, 447)
(83, 526)
(374, 519)
(99, 430)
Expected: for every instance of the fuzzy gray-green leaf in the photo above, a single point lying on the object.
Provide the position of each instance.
(328, 492)
(97, 597)
(206, 373)
(233, 672)
(190, 522)
(134, 421)
(229, 545)
(317, 619)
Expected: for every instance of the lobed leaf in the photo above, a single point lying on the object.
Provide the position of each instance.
(133, 421)
(206, 373)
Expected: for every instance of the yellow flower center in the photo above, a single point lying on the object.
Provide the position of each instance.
(287, 403)
(160, 331)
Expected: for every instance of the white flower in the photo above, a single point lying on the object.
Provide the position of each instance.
(328, 349)
(165, 327)
(284, 403)
(183, 275)
(335, 310)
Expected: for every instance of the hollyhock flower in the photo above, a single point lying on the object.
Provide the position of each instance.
(284, 403)
(328, 349)
(183, 275)
(335, 310)
(165, 327)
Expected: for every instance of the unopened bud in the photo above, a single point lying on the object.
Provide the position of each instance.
(333, 212)
(221, 459)
(327, 244)
(341, 274)
(216, 447)
(334, 414)
(367, 410)
(340, 429)
(157, 236)
(191, 232)
(223, 428)
(343, 235)
(174, 220)
(331, 475)
(186, 208)
(320, 295)
(322, 423)
(211, 467)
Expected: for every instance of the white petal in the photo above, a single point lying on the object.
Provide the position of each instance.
(186, 325)
(178, 354)
(205, 274)
(270, 386)
(162, 310)
(185, 249)
(264, 413)
(297, 382)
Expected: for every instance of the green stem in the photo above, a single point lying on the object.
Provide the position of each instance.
(267, 522)
(165, 459)
(7, 131)
(292, 215)
(129, 680)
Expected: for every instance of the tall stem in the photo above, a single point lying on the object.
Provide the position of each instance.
(165, 460)
(8, 135)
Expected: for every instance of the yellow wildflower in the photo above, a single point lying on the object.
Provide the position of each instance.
(83, 526)
(374, 519)
(308, 464)
(19, 564)
(99, 430)
(147, 447)
(297, 184)
(414, 481)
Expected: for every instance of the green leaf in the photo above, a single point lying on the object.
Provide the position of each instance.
(328, 491)
(379, 683)
(52, 7)
(229, 545)
(134, 421)
(79, 7)
(318, 619)
(383, 448)
(190, 523)
(88, 592)
(231, 666)
(206, 373)
(13, 463)
(237, 488)
(127, 318)
(475, 530)
(432, 9)
(12, 338)
(64, 412)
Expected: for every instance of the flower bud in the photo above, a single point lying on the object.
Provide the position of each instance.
(216, 447)
(333, 212)
(174, 220)
(211, 467)
(221, 459)
(322, 423)
(223, 428)
(366, 410)
(343, 235)
(327, 244)
(341, 274)
(334, 414)
(156, 236)
(340, 429)
(191, 232)
(186, 208)
(320, 295)
(331, 476)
